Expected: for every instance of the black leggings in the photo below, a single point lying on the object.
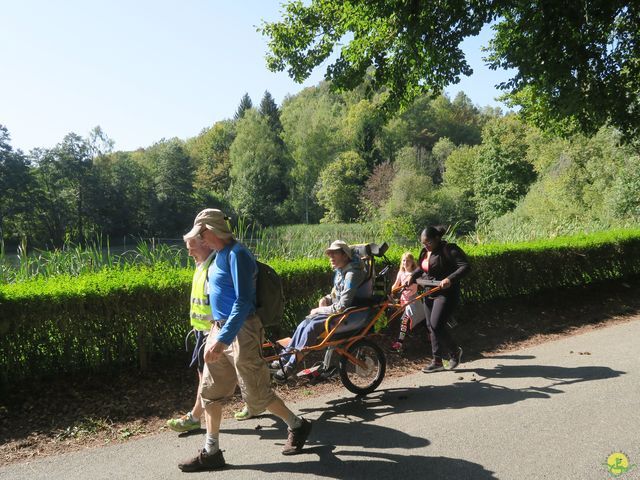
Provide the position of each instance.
(438, 310)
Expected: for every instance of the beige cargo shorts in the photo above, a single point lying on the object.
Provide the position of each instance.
(241, 362)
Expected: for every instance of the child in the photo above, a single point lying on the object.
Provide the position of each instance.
(413, 313)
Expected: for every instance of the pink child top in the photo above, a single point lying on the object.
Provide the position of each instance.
(410, 292)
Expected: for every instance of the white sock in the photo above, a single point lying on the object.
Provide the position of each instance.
(294, 421)
(211, 443)
(192, 418)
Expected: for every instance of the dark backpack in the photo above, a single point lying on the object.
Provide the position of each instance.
(269, 295)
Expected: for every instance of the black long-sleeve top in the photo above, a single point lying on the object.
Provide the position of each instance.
(446, 261)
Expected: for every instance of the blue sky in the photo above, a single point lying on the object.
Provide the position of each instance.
(144, 70)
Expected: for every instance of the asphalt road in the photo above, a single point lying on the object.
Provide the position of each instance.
(557, 411)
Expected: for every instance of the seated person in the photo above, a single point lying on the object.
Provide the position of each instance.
(350, 283)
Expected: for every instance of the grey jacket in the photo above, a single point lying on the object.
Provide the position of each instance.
(348, 285)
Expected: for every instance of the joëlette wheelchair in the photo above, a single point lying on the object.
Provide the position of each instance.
(362, 364)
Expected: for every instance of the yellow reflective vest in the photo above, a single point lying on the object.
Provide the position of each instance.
(200, 313)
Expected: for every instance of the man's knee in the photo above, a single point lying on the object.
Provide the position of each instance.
(215, 393)
(257, 385)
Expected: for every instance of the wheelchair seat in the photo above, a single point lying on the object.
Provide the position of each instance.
(348, 333)
(353, 326)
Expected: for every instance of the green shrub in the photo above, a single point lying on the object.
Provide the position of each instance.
(508, 270)
(103, 320)
(94, 321)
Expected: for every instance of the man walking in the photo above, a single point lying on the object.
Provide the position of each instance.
(233, 348)
(201, 318)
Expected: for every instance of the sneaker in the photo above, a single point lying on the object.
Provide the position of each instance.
(455, 359)
(396, 347)
(283, 374)
(183, 424)
(243, 414)
(275, 365)
(434, 366)
(203, 461)
(296, 438)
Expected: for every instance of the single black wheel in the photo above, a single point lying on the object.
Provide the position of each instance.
(363, 379)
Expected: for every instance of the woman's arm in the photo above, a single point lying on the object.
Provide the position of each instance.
(462, 263)
(414, 275)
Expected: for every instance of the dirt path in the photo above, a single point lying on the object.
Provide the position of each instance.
(73, 414)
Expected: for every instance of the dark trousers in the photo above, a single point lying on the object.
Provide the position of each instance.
(438, 310)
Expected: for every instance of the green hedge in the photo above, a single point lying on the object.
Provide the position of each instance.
(66, 324)
(508, 270)
(104, 320)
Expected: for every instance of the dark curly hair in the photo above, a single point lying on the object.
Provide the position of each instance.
(434, 231)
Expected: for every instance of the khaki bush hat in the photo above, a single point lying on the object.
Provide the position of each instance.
(211, 219)
(339, 245)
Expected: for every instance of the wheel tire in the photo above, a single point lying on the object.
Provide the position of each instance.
(352, 376)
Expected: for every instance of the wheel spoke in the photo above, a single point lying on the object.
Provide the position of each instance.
(363, 368)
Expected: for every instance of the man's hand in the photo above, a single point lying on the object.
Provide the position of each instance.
(446, 283)
(214, 352)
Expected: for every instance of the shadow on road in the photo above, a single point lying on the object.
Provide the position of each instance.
(463, 394)
(348, 422)
(368, 465)
(332, 430)
(512, 357)
(559, 375)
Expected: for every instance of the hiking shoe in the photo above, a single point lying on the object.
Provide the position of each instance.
(203, 461)
(183, 424)
(455, 359)
(396, 347)
(296, 438)
(434, 366)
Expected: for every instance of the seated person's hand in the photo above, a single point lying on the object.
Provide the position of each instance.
(446, 283)
(324, 302)
(315, 311)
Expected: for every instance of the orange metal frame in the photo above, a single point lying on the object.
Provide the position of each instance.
(342, 345)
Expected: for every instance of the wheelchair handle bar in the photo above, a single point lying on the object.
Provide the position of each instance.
(423, 282)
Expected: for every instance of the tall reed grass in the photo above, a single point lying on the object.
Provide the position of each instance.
(270, 243)
(76, 260)
(304, 241)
